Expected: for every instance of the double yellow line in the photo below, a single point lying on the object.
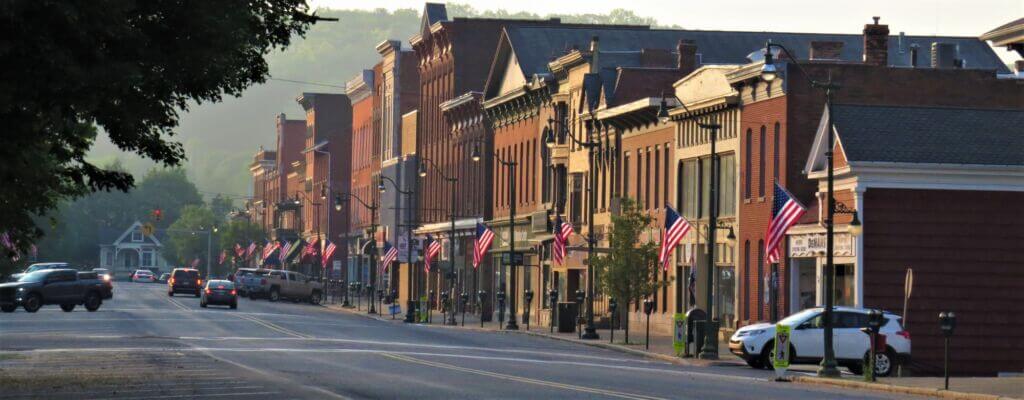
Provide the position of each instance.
(274, 327)
(556, 385)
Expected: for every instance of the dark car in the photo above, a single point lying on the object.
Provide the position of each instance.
(185, 280)
(219, 292)
(66, 287)
(164, 277)
(39, 267)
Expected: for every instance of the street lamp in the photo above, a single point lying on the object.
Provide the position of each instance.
(710, 349)
(511, 165)
(451, 236)
(410, 315)
(769, 71)
(373, 238)
(592, 148)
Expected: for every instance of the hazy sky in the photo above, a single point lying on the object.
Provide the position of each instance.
(915, 17)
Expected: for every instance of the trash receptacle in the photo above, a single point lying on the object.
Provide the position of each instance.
(694, 331)
(567, 317)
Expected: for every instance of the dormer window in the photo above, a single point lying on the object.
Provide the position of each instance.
(136, 236)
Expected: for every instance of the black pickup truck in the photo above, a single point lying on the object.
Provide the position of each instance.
(66, 287)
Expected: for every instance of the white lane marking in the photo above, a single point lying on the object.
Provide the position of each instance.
(207, 350)
(195, 396)
(380, 343)
(273, 376)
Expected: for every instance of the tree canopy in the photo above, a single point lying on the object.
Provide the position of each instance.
(629, 272)
(123, 68)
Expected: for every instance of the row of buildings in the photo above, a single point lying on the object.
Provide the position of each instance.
(929, 151)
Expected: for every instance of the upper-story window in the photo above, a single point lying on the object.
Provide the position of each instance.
(775, 151)
(748, 171)
(136, 236)
(761, 156)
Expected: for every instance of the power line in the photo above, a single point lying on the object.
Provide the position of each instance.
(307, 83)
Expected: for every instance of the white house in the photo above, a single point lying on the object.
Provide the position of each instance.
(132, 250)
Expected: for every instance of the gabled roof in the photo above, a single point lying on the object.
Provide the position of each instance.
(135, 227)
(927, 135)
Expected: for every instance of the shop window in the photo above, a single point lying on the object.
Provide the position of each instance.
(726, 303)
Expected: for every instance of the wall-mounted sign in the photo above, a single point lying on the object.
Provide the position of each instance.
(813, 245)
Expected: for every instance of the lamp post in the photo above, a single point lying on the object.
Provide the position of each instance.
(511, 165)
(592, 148)
(769, 72)
(338, 199)
(710, 349)
(451, 235)
(410, 316)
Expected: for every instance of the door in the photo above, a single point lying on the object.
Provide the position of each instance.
(59, 287)
(291, 287)
(808, 338)
(850, 342)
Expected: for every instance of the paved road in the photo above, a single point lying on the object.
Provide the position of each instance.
(145, 345)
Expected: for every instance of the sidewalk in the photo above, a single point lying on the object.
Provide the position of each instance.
(661, 349)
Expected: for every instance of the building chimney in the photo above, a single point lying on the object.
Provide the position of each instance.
(825, 50)
(594, 50)
(876, 44)
(686, 59)
(943, 55)
(914, 49)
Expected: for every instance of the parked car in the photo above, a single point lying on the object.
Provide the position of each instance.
(164, 277)
(52, 286)
(248, 281)
(39, 267)
(220, 292)
(143, 275)
(106, 278)
(292, 285)
(754, 343)
(185, 280)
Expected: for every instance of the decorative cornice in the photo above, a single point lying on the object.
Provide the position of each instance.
(360, 87)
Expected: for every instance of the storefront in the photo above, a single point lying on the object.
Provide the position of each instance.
(807, 265)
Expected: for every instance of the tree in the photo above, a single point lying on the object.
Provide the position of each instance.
(126, 68)
(166, 189)
(186, 241)
(630, 270)
(221, 206)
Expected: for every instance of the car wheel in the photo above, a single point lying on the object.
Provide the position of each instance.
(8, 308)
(315, 298)
(32, 303)
(275, 295)
(67, 307)
(234, 306)
(884, 362)
(93, 302)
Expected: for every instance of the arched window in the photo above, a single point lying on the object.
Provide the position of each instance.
(747, 170)
(746, 286)
(775, 152)
(761, 155)
(760, 277)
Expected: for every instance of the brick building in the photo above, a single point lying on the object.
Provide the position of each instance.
(361, 91)
(275, 181)
(327, 164)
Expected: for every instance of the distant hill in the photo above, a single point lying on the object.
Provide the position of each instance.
(221, 138)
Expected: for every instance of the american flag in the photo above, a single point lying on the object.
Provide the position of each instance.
(484, 237)
(785, 212)
(239, 250)
(310, 249)
(250, 250)
(270, 248)
(675, 228)
(223, 256)
(562, 231)
(433, 249)
(284, 251)
(390, 254)
(328, 252)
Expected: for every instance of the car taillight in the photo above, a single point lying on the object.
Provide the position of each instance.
(208, 291)
(170, 281)
(233, 292)
(199, 281)
(905, 334)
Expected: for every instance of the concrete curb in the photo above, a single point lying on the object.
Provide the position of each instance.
(884, 387)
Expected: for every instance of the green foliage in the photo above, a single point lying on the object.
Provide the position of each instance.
(186, 241)
(221, 206)
(629, 272)
(126, 68)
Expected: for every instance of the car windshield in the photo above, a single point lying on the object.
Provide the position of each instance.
(36, 276)
(40, 267)
(799, 317)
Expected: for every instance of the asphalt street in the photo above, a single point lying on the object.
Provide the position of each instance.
(143, 344)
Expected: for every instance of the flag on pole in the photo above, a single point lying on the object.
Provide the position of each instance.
(433, 249)
(195, 263)
(390, 254)
(223, 256)
(270, 248)
(284, 251)
(562, 232)
(675, 228)
(239, 250)
(311, 248)
(785, 212)
(328, 252)
(251, 249)
(484, 237)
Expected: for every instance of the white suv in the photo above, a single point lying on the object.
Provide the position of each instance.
(754, 343)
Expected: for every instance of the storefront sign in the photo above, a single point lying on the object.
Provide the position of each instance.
(813, 244)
